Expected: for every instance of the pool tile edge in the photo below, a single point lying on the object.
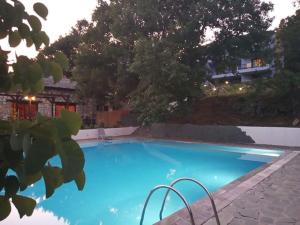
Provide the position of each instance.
(202, 209)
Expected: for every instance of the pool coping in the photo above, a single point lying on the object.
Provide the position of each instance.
(202, 209)
(195, 141)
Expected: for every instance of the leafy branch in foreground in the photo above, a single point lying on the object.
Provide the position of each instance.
(26, 147)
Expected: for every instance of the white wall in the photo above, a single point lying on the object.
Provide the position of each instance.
(110, 132)
(281, 136)
(116, 132)
(86, 134)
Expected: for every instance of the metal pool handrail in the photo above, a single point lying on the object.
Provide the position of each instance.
(172, 189)
(202, 186)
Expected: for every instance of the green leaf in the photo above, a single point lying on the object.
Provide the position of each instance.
(56, 71)
(45, 38)
(5, 207)
(11, 157)
(35, 72)
(26, 143)
(72, 121)
(62, 130)
(5, 126)
(38, 154)
(24, 205)
(52, 178)
(24, 30)
(37, 40)
(12, 186)
(62, 60)
(3, 34)
(72, 160)
(29, 42)
(44, 130)
(80, 181)
(35, 23)
(3, 172)
(31, 179)
(14, 39)
(41, 10)
(16, 141)
(26, 180)
(18, 13)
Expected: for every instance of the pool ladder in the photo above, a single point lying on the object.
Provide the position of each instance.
(171, 188)
(101, 134)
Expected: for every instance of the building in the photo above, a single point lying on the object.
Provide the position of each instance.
(54, 98)
(247, 69)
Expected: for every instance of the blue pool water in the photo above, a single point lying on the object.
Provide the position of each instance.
(120, 174)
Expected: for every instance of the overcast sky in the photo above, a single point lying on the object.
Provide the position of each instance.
(63, 14)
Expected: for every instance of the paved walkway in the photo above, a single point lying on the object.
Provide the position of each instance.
(276, 200)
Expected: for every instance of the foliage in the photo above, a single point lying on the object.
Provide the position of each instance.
(27, 146)
(68, 44)
(288, 35)
(285, 87)
(171, 62)
(242, 33)
(166, 84)
(154, 53)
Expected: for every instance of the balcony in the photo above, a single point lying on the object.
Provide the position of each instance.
(224, 75)
(248, 70)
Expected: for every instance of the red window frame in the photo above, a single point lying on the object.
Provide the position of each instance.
(59, 106)
(25, 110)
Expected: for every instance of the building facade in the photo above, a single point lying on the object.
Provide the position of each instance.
(247, 69)
(54, 98)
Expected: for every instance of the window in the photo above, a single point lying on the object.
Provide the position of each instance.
(258, 63)
(71, 107)
(25, 110)
(106, 108)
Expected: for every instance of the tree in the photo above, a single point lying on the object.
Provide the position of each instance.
(282, 92)
(154, 52)
(287, 81)
(99, 62)
(165, 83)
(296, 3)
(27, 146)
(241, 33)
(288, 35)
(179, 28)
(69, 44)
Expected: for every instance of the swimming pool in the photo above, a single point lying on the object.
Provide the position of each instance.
(120, 174)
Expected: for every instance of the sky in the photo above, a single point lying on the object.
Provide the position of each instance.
(63, 14)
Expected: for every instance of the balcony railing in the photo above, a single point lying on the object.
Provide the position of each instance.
(224, 75)
(253, 69)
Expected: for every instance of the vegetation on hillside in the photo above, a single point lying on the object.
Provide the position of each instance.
(284, 88)
(153, 53)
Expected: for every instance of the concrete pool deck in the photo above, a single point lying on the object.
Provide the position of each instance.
(268, 195)
(275, 200)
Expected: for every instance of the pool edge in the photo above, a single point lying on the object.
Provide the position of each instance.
(225, 196)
